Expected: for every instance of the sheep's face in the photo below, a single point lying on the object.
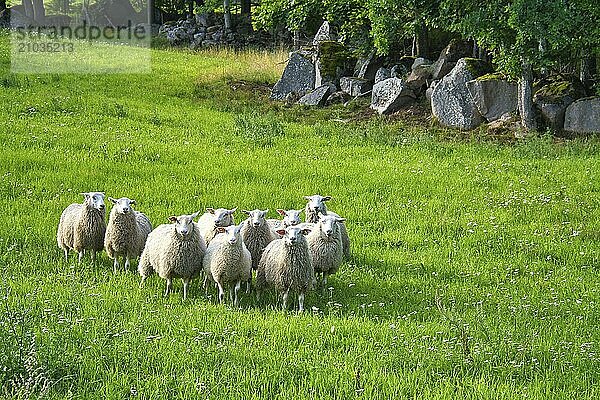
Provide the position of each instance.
(256, 218)
(223, 216)
(293, 235)
(95, 199)
(316, 203)
(122, 205)
(232, 233)
(290, 217)
(184, 224)
(328, 225)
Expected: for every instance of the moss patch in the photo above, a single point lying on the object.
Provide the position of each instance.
(334, 58)
(495, 76)
(555, 92)
(478, 67)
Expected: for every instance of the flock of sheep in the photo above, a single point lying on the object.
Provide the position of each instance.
(286, 254)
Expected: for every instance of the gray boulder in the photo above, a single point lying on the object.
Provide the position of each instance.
(552, 101)
(317, 97)
(382, 74)
(298, 77)
(493, 96)
(456, 50)
(583, 116)
(333, 62)
(355, 86)
(323, 34)
(420, 61)
(451, 102)
(429, 90)
(417, 79)
(389, 95)
(338, 97)
(366, 67)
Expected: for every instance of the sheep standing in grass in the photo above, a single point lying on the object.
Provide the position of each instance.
(290, 218)
(213, 219)
(174, 251)
(82, 226)
(228, 261)
(286, 264)
(325, 245)
(126, 232)
(315, 207)
(257, 234)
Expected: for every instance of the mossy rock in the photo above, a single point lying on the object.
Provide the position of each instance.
(556, 90)
(335, 59)
(494, 76)
(478, 67)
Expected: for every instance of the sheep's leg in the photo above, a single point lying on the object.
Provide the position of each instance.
(205, 284)
(115, 265)
(142, 281)
(231, 293)
(249, 285)
(186, 282)
(237, 289)
(66, 255)
(127, 263)
(169, 286)
(221, 292)
(324, 282)
(80, 257)
(93, 256)
(285, 299)
(301, 301)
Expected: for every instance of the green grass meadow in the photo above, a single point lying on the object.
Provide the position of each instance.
(475, 262)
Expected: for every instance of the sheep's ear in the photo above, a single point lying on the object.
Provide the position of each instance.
(305, 231)
(86, 195)
(246, 212)
(307, 197)
(281, 231)
(132, 201)
(265, 212)
(232, 210)
(210, 210)
(326, 198)
(300, 211)
(114, 201)
(281, 212)
(194, 215)
(172, 218)
(220, 229)
(340, 219)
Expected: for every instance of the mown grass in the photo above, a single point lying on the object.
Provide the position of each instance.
(475, 268)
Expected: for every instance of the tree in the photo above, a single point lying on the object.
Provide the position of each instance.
(513, 31)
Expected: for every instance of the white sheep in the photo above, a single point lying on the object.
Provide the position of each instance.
(286, 264)
(257, 234)
(82, 226)
(228, 261)
(212, 219)
(325, 245)
(290, 218)
(315, 207)
(174, 251)
(126, 232)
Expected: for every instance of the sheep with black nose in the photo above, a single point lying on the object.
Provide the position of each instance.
(213, 219)
(315, 207)
(257, 234)
(325, 246)
(228, 262)
(286, 264)
(82, 226)
(174, 251)
(290, 218)
(126, 232)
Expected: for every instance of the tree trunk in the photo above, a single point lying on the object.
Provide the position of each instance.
(296, 40)
(246, 5)
(475, 49)
(150, 14)
(2, 5)
(422, 40)
(542, 47)
(587, 68)
(39, 11)
(227, 13)
(28, 8)
(191, 8)
(413, 51)
(526, 97)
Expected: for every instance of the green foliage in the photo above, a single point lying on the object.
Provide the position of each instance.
(294, 15)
